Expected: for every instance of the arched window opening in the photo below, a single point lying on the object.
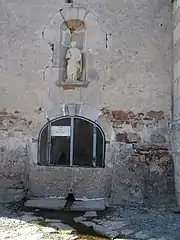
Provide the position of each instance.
(71, 141)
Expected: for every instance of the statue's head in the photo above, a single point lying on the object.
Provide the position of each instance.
(73, 44)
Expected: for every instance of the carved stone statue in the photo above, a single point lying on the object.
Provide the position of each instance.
(74, 66)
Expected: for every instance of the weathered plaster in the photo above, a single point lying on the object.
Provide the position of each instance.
(129, 75)
(130, 72)
(176, 100)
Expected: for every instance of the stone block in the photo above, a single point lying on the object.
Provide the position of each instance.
(90, 214)
(29, 218)
(62, 227)
(121, 137)
(71, 96)
(79, 219)
(88, 223)
(176, 109)
(46, 203)
(104, 231)
(176, 70)
(176, 84)
(176, 160)
(89, 205)
(177, 16)
(133, 138)
(176, 141)
(176, 34)
(47, 220)
(157, 137)
(45, 182)
(175, 6)
(177, 183)
(11, 195)
(49, 230)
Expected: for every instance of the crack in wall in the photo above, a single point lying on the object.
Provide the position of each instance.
(44, 72)
(107, 39)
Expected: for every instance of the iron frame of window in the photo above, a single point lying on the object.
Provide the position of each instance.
(48, 145)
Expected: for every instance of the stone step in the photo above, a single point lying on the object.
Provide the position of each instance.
(59, 204)
(46, 203)
(89, 205)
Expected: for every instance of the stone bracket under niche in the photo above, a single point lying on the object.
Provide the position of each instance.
(71, 85)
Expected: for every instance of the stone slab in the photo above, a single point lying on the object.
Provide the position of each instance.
(49, 230)
(47, 220)
(105, 231)
(30, 218)
(177, 16)
(90, 214)
(102, 230)
(89, 205)
(79, 219)
(176, 69)
(88, 223)
(176, 34)
(62, 226)
(46, 203)
(11, 195)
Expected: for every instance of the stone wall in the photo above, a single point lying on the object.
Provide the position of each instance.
(130, 78)
(14, 132)
(132, 73)
(144, 175)
(143, 167)
(175, 98)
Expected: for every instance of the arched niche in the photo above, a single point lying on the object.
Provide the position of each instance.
(73, 23)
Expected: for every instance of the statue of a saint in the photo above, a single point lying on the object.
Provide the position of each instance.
(74, 59)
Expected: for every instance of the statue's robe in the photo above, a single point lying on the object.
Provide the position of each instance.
(74, 66)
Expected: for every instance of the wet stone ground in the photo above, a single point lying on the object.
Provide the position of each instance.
(18, 223)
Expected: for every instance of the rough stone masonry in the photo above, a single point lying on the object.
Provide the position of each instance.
(128, 58)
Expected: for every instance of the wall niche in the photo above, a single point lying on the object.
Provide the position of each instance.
(71, 33)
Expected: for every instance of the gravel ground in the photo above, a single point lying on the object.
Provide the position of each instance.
(157, 223)
(16, 225)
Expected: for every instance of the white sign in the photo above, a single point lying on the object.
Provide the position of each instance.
(60, 131)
